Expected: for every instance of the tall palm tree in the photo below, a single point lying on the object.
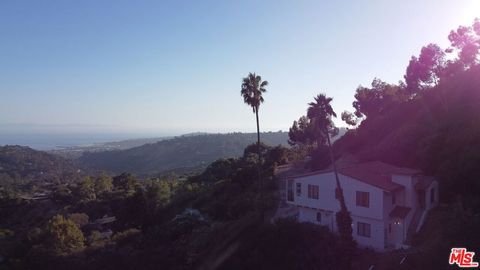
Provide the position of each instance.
(320, 113)
(252, 89)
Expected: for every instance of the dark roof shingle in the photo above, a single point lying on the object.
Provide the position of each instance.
(373, 178)
(375, 173)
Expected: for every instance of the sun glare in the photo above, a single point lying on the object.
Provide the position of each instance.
(473, 10)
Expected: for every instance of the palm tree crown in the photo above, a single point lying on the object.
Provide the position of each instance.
(321, 112)
(252, 89)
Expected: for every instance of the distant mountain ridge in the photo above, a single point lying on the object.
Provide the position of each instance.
(188, 151)
(21, 163)
(75, 152)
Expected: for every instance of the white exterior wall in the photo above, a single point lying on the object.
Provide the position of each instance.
(310, 215)
(395, 229)
(373, 215)
(326, 192)
(377, 227)
(376, 239)
(327, 200)
(428, 203)
(410, 196)
(350, 186)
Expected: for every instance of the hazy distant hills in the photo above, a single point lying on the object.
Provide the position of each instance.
(75, 152)
(144, 157)
(182, 153)
(22, 164)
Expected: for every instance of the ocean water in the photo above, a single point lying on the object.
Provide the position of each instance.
(58, 141)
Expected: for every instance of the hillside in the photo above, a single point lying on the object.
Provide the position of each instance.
(75, 152)
(438, 132)
(23, 164)
(426, 132)
(184, 153)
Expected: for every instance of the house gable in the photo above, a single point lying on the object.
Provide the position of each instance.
(326, 194)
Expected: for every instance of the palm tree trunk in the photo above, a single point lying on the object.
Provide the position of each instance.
(344, 220)
(258, 129)
(262, 210)
(339, 192)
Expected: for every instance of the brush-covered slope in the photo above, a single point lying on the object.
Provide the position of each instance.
(23, 164)
(184, 152)
(438, 131)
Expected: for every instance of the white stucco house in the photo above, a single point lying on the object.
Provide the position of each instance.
(388, 204)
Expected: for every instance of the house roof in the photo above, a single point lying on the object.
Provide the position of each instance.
(105, 220)
(374, 173)
(377, 173)
(400, 211)
(381, 167)
(288, 170)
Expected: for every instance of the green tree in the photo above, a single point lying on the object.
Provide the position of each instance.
(80, 219)
(271, 156)
(95, 238)
(155, 197)
(377, 99)
(64, 235)
(8, 195)
(466, 41)
(62, 193)
(158, 192)
(277, 155)
(86, 189)
(349, 118)
(424, 71)
(254, 149)
(132, 210)
(125, 181)
(220, 169)
(302, 138)
(320, 112)
(287, 245)
(103, 184)
(302, 133)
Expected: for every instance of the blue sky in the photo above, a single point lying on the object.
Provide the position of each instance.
(167, 67)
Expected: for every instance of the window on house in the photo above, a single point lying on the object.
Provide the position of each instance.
(299, 189)
(394, 199)
(313, 192)
(432, 195)
(363, 229)
(363, 199)
(319, 216)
